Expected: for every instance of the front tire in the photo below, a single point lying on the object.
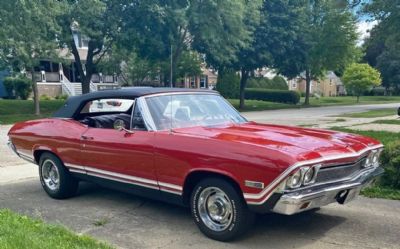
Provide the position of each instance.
(219, 210)
(55, 178)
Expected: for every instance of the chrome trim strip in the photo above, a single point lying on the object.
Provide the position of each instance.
(77, 171)
(25, 155)
(171, 191)
(120, 180)
(168, 185)
(179, 93)
(267, 192)
(144, 182)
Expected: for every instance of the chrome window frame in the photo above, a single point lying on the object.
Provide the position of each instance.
(147, 117)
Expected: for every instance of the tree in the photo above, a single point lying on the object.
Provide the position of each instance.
(358, 78)
(27, 35)
(214, 28)
(99, 21)
(383, 44)
(324, 39)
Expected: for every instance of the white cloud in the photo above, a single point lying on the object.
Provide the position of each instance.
(363, 28)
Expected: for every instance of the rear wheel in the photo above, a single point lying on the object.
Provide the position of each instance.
(55, 178)
(219, 210)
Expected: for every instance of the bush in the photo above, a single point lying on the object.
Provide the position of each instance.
(62, 97)
(277, 83)
(282, 96)
(228, 85)
(18, 87)
(44, 97)
(390, 160)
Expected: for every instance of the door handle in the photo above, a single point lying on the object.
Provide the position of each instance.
(86, 137)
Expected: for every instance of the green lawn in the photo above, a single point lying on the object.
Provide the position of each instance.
(12, 111)
(19, 231)
(372, 113)
(388, 121)
(350, 100)
(258, 105)
(385, 137)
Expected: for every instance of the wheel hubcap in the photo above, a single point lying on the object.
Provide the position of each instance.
(50, 175)
(215, 209)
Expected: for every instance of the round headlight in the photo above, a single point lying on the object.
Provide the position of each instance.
(294, 181)
(309, 175)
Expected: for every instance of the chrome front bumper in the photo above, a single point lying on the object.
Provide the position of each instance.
(314, 197)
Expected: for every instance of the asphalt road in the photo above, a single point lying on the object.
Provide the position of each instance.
(133, 222)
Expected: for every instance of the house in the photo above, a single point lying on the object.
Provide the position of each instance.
(331, 85)
(54, 78)
(207, 79)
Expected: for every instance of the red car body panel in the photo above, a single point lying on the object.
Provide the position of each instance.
(163, 160)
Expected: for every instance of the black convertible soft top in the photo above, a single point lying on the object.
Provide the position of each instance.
(75, 103)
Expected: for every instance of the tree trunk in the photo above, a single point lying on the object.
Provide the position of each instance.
(358, 98)
(89, 66)
(243, 82)
(308, 87)
(35, 93)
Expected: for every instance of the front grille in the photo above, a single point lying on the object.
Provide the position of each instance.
(340, 172)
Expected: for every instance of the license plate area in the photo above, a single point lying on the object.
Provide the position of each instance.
(347, 195)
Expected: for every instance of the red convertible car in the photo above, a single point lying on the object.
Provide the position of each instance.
(191, 147)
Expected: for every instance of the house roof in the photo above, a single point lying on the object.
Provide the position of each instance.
(75, 103)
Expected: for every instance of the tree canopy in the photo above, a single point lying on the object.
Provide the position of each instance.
(359, 78)
(28, 35)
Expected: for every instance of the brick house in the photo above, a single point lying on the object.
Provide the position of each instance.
(330, 86)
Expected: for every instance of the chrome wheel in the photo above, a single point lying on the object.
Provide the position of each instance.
(215, 209)
(50, 175)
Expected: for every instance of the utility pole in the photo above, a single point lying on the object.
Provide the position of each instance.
(170, 79)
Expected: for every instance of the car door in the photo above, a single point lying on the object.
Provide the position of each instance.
(121, 155)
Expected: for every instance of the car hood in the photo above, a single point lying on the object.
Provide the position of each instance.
(300, 143)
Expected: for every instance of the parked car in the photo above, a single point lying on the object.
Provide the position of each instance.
(192, 148)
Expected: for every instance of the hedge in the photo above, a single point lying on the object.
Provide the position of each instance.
(228, 84)
(18, 87)
(282, 96)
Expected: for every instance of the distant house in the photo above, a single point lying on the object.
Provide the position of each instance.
(55, 78)
(329, 86)
(207, 79)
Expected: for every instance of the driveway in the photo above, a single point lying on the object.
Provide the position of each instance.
(131, 222)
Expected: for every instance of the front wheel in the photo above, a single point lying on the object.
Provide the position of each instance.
(55, 178)
(219, 210)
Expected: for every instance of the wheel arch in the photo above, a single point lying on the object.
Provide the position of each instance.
(195, 176)
(39, 150)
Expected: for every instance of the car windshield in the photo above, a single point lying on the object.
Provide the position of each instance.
(188, 110)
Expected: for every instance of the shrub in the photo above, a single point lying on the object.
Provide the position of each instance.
(228, 85)
(277, 83)
(390, 160)
(62, 97)
(44, 97)
(18, 87)
(9, 87)
(282, 96)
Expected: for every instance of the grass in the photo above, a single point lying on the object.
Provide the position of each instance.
(388, 121)
(258, 105)
(381, 192)
(19, 231)
(350, 100)
(12, 111)
(372, 113)
(385, 137)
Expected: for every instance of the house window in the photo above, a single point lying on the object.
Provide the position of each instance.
(294, 85)
(203, 81)
(192, 82)
(330, 82)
